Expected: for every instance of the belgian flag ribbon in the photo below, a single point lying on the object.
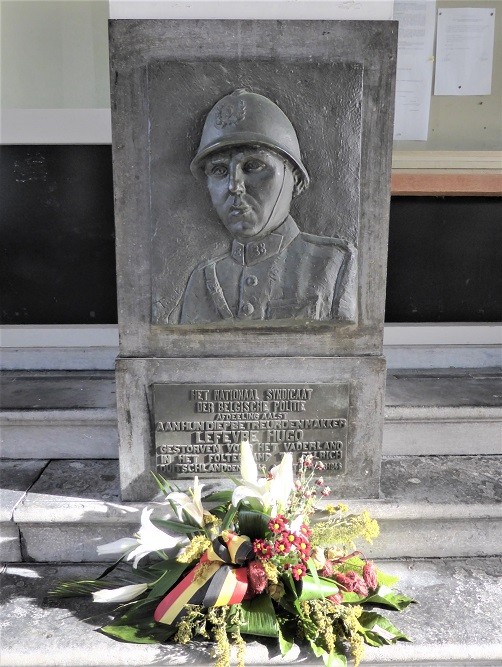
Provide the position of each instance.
(220, 578)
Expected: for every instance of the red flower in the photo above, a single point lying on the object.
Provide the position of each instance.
(277, 524)
(288, 537)
(303, 546)
(327, 570)
(298, 571)
(352, 582)
(370, 575)
(262, 549)
(282, 545)
(257, 577)
(326, 491)
(336, 599)
(306, 530)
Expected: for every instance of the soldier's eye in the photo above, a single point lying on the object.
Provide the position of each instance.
(219, 170)
(254, 165)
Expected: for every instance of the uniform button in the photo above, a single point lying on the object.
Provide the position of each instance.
(247, 309)
(252, 280)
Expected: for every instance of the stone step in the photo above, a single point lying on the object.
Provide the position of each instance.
(431, 506)
(456, 622)
(72, 414)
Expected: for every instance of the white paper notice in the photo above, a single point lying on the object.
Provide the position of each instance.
(415, 63)
(464, 51)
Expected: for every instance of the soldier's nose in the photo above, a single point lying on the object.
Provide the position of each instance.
(236, 182)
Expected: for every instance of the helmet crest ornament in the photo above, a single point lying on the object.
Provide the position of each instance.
(230, 113)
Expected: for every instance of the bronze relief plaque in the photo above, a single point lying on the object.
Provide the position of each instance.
(199, 427)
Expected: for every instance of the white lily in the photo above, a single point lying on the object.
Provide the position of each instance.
(253, 486)
(282, 483)
(273, 493)
(150, 538)
(122, 594)
(191, 504)
(117, 547)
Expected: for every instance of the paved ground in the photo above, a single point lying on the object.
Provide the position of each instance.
(456, 621)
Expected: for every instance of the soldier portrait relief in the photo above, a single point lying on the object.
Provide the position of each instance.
(249, 159)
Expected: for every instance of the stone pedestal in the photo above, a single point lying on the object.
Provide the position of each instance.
(276, 336)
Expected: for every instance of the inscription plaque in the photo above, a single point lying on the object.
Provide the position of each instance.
(199, 427)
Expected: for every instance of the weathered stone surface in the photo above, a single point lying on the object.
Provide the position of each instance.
(16, 477)
(364, 375)
(433, 506)
(443, 479)
(10, 543)
(455, 623)
(57, 390)
(444, 387)
(157, 117)
(58, 414)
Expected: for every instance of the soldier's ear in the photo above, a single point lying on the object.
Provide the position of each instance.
(299, 184)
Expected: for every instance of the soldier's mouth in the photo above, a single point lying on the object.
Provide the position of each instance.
(241, 208)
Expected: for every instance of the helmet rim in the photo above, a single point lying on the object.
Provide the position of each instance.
(247, 138)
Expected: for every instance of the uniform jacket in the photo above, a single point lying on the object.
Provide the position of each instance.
(286, 275)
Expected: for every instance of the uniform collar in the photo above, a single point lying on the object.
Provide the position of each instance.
(254, 252)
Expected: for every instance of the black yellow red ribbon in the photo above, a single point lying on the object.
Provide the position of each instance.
(217, 579)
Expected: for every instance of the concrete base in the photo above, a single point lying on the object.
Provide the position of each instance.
(455, 623)
(430, 507)
(365, 377)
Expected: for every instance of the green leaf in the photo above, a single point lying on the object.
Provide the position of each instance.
(139, 612)
(289, 584)
(165, 486)
(386, 597)
(383, 596)
(176, 526)
(128, 633)
(334, 659)
(371, 621)
(152, 634)
(374, 639)
(314, 590)
(68, 589)
(111, 567)
(355, 563)
(258, 617)
(253, 524)
(385, 579)
(228, 518)
(312, 569)
(286, 642)
(224, 496)
(316, 650)
(251, 503)
(167, 580)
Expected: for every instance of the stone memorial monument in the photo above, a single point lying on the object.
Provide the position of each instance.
(252, 170)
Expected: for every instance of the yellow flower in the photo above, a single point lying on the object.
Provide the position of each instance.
(194, 550)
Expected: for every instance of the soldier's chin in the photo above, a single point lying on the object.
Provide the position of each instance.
(242, 226)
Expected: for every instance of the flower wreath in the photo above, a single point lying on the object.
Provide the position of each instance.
(256, 564)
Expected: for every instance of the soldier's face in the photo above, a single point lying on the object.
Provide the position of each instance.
(251, 190)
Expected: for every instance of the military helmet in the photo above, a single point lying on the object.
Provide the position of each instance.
(248, 118)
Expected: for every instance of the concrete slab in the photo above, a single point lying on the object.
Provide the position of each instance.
(16, 477)
(449, 387)
(430, 506)
(456, 622)
(57, 390)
